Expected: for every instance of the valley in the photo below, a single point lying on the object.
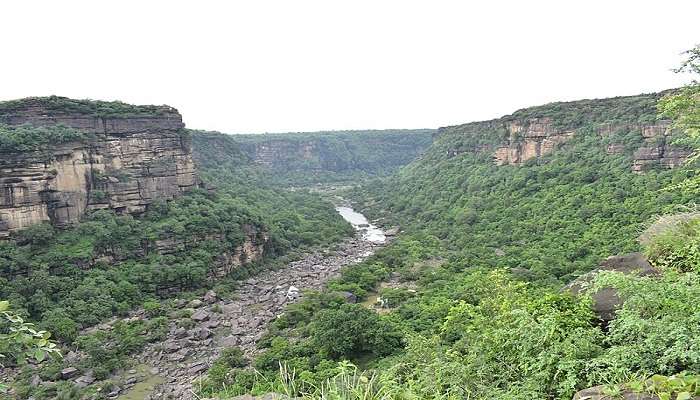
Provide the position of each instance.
(495, 259)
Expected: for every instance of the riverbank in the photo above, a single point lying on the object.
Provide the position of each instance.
(215, 324)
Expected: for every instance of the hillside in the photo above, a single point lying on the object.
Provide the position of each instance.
(316, 157)
(497, 217)
(549, 190)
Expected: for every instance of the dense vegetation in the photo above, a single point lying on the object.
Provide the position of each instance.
(28, 138)
(316, 157)
(97, 108)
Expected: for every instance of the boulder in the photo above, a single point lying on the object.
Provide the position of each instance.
(196, 303)
(349, 297)
(211, 297)
(200, 316)
(392, 231)
(606, 301)
(68, 373)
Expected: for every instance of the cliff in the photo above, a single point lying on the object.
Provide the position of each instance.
(123, 158)
(535, 132)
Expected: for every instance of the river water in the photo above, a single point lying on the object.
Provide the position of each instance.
(370, 232)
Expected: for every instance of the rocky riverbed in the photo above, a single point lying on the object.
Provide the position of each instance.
(186, 354)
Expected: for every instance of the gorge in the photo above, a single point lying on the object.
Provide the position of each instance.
(183, 264)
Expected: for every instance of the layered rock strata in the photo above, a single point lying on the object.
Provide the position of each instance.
(125, 163)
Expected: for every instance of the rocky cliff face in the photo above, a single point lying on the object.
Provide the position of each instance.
(534, 132)
(657, 148)
(528, 139)
(126, 163)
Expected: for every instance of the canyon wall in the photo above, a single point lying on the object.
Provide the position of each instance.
(125, 163)
(532, 133)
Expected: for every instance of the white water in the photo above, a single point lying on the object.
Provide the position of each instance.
(370, 232)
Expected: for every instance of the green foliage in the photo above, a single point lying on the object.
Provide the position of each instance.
(679, 387)
(28, 138)
(352, 330)
(550, 220)
(678, 247)
(97, 108)
(20, 340)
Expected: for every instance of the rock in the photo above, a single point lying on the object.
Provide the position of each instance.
(598, 393)
(211, 297)
(171, 347)
(115, 392)
(392, 231)
(55, 187)
(180, 333)
(196, 369)
(196, 303)
(85, 380)
(292, 293)
(200, 316)
(68, 373)
(349, 297)
(201, 334)
(35, 381)
(606, 301)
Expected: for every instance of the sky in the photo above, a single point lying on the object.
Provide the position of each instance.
(281, 66)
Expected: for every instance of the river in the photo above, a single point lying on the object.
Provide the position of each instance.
(369, 232)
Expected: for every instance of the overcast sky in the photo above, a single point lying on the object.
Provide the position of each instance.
(277, 66)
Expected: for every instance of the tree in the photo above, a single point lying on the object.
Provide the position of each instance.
(683, 108)
(19, 340)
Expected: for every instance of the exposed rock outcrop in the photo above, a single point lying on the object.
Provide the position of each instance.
(656, 149)
(532, 138)
(126, 162)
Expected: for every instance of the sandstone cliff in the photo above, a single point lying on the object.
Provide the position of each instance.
(130, 157)
(535, 132)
